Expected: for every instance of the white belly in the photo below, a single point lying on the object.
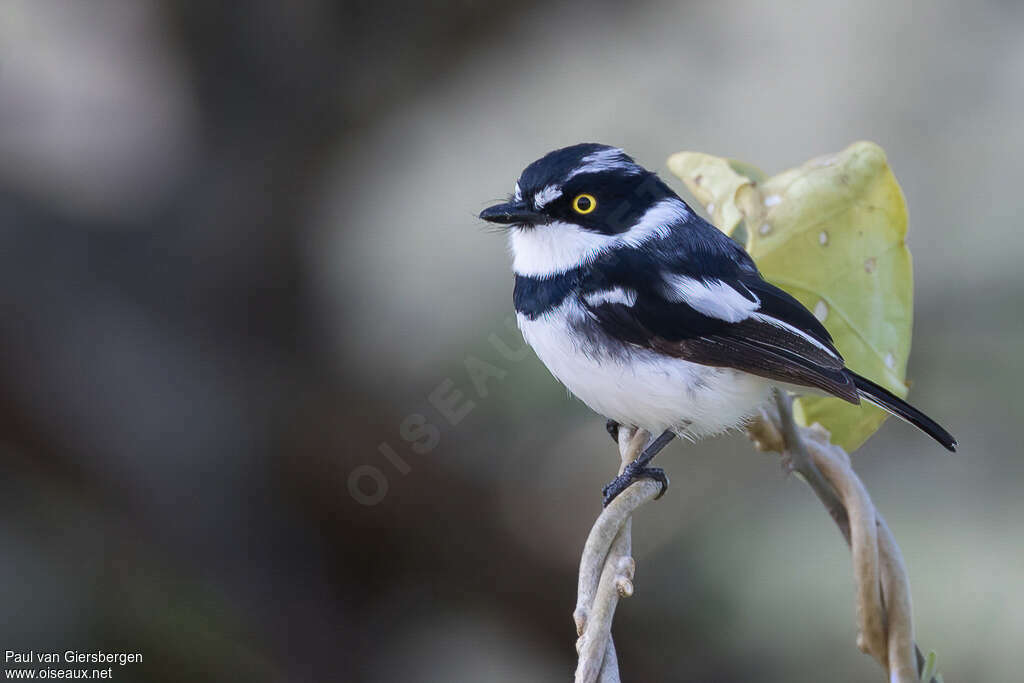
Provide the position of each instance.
(639, 387)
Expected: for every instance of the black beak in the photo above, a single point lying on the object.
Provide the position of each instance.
(512, 213)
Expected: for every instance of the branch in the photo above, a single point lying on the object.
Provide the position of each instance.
(884, 618)
(885, 625)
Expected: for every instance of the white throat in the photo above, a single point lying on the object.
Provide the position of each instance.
(558, 247)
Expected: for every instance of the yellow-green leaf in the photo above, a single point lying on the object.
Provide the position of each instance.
(831, 233)
(715, 183)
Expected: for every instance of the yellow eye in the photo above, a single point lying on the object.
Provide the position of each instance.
(584, 203)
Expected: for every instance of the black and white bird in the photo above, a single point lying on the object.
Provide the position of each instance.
(652, 316)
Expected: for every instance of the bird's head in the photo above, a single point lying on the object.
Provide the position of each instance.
(574, 203)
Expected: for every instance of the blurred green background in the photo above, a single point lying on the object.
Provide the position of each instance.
(240, 268)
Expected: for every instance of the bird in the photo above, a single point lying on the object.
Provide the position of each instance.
(652, 316)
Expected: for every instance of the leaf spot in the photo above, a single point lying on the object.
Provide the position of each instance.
(711, 207)
(821, 311)
(890, 361)
(772, 200)
(765, 229)
(869, 265)
(823, 238)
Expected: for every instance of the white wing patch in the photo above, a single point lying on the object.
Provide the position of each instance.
(615, 295)
(717, 299)
(546, 196)
(713, 298)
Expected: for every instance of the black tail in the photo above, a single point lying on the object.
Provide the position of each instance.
(886, 400)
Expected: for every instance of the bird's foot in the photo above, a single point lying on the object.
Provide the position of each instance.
(631, 474)
(612, 427)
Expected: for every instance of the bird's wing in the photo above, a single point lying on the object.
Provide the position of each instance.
(737, 321)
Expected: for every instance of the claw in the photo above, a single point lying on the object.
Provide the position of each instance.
(658, 475)
(639, 469)
(631, 474)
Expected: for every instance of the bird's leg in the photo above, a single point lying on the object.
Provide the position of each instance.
(612, 427)
(638, 469)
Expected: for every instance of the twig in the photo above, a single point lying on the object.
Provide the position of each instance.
(799, 460)
(606, 570)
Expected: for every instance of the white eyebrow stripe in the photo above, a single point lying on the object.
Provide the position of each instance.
(547, 195)
(615, 295)
(605, 160)
(713, 298)
(518, 194)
